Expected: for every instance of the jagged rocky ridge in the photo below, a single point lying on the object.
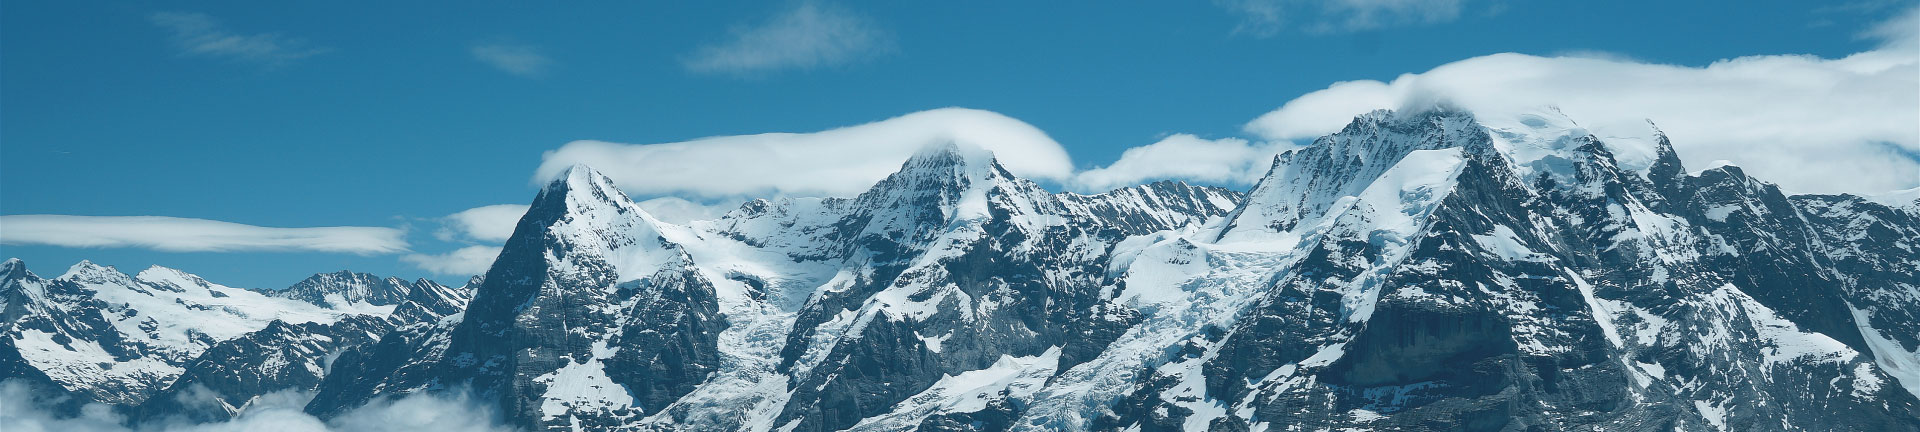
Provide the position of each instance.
(1415, 271)
(165, 344)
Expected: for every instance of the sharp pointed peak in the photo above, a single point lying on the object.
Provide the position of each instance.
(1422, 111)
(424, 285)
(1412, 117)
(578, 169)
(1165, 183)
(90, 266)
(954, 157)
(581, 178)
(163, 273)
(581, 185)
(13, 268)
(342, 274)
(89, 271)
(1428, 125)
(950, 152)
(578, 176)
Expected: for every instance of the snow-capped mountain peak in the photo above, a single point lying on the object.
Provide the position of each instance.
(88, 271)
(1432, 269)
(345, 287)
(1304, 184)
(952, 178)
(98, 332)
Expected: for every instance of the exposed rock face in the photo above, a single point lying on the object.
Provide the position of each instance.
(169, 345)
(346, 287)
(951, 265)
(1559, 292)
(1415, 271)
(221, 381)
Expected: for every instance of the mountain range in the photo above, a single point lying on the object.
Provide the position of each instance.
(1417, 270)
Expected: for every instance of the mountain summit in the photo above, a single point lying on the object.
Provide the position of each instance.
(1427, 270)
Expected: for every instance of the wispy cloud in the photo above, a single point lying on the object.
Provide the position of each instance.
(809, 36)
(174, 234)
(522, 60)
(196, 34)
(492, 223)
(482, 229)
(466, 261)
(1263, 18)
(1900, 32)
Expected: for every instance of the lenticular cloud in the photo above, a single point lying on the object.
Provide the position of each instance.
(174, 234)
(837, 162)
(1808, 123)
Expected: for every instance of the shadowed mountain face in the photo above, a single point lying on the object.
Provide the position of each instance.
(1415, 271)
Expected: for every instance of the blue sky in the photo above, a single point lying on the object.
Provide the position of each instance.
(323, 114)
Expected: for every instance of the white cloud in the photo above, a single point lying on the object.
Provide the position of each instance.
(1268, 17)
(522, 60)
(680, 211)
(1903, 31)
(1807, 123)
(1188, 157)
(837, 162)
(1810, 124)
(280, 412)
(196, 34)
(492, 223)
(173, 234)
(466, 261)
(30, 411)
(454, 412)
(811, 35)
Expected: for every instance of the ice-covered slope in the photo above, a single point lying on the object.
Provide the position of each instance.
(109, 337)
(1549, 288)
(779, 292)
(1431, 270)
(1414, 271)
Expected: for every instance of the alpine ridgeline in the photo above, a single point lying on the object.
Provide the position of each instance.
(165, 344)
(1414, 271)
